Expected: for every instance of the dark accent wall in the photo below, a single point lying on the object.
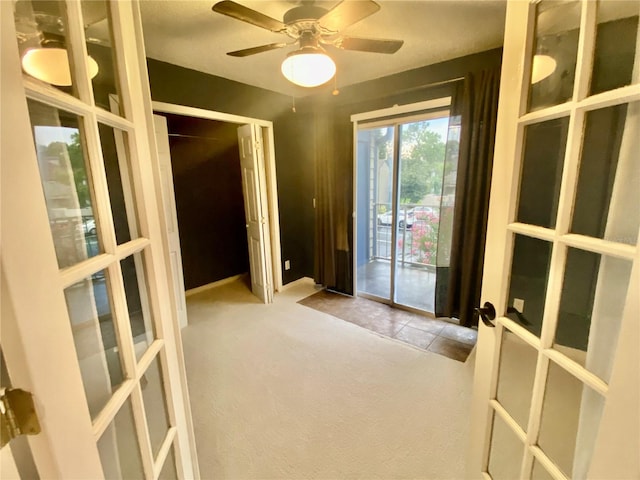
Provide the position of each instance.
(425, 83)
(296, 190)
(205, 160)
(295, 178)
(296, 133)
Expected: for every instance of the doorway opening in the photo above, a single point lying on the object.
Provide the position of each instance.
(230, 220)
(405, 190)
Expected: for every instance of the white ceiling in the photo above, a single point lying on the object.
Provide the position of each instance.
(190, 34)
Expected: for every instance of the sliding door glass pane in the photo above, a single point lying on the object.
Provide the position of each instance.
(420, 175)
(374, 210)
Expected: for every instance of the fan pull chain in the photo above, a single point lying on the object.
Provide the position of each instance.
(293, 104)
(335, 85)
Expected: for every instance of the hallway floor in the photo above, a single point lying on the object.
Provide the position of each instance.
(284, 391)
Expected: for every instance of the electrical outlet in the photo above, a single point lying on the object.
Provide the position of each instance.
(287, 265)
(518, 304)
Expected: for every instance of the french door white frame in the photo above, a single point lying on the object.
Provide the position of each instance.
(268, 171)
(37, 340)
(616, 452)
(411, 113)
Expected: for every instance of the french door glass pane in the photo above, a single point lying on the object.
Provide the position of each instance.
(118, 447)
(155, 405)
(506, 451)
(168, 471)
(571, 414)
(94, 335)
(115, 152)
(66, 181)
(140, 318)
(539, 472)
(607, 204)
(99, 37)
(516, 372)
(591, 308)
(541, 172)
(528, 282)
(616, 45)
(41, 28)
(555, 53)
(374, 207)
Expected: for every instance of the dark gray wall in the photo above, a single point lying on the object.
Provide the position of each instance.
(296, 134)
(425, 83)
(182, 86)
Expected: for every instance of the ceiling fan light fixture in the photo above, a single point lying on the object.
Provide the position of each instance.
(308, 67)
(51, 65)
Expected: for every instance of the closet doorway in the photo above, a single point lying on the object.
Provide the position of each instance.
(200, 133)
(405, 189)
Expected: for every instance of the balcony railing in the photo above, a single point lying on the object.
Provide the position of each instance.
(416, 237)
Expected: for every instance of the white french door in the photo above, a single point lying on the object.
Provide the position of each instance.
(556, 382)
(87, 323)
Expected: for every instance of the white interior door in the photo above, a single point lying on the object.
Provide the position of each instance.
(254, 192)
(86, 322)
(171, 216)
(556, 383)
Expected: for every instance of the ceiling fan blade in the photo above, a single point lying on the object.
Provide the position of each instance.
(347, 13)
(374, 45)
(253, 50)
(240, 12)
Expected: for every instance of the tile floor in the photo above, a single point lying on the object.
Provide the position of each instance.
(430, 334)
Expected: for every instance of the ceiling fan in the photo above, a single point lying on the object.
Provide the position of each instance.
(311, 26)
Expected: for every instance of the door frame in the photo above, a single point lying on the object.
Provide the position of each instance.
(378, 117)
(268, 170)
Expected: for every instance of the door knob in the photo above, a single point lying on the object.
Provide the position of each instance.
(487, 313)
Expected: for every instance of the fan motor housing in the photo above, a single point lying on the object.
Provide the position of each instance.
(304, 12)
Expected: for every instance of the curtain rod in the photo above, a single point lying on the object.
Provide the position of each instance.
(428, 85)
(193, 136)
(406, 90)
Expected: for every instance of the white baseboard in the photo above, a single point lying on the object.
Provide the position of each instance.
(296, 282)
(218, 283)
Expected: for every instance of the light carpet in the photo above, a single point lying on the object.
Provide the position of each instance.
(284, 391)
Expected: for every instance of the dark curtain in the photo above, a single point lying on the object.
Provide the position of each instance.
(477, 103)
(333, 230)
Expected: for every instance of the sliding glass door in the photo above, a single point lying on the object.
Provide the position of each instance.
(400, 177)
